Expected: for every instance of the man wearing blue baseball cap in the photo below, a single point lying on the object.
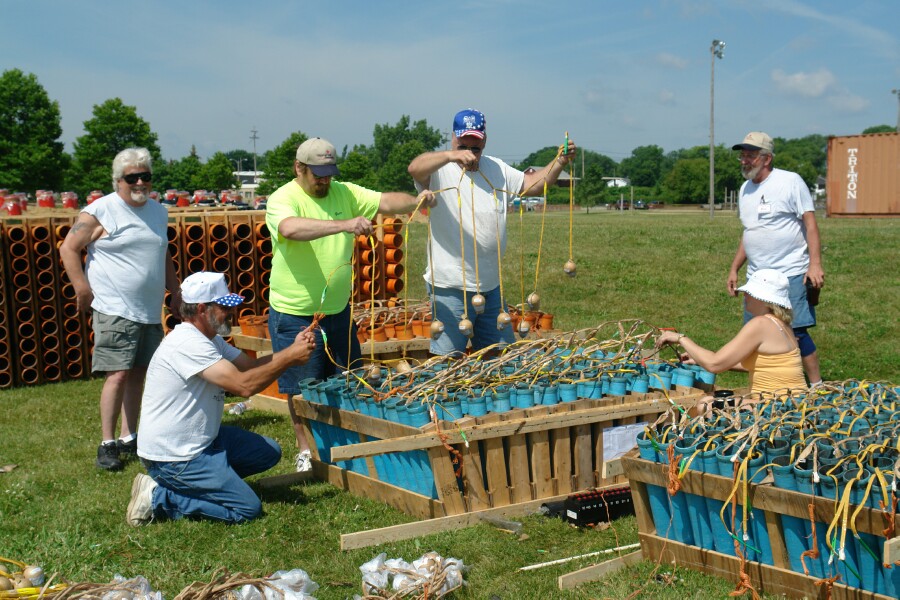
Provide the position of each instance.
(196, 464)
(476, 188)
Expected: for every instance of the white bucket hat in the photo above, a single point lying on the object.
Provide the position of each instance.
(769, 285)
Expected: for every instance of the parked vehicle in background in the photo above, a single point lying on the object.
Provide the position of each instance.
(640, 205)
(533, 202)
(619, 205)
(655, 204)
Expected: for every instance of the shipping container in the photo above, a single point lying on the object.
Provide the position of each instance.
(864, 175)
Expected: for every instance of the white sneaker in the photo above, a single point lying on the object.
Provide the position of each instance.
(304, 461)
(140, 509)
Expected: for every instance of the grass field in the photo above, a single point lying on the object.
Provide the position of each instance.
(668, 268)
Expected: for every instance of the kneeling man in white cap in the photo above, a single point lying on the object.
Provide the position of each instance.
(196, 465)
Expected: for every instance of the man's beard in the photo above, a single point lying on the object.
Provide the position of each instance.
(139, 196)
(222, 327)
(321, 191)
(751, 173)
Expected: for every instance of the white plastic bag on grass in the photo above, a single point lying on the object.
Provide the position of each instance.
(374, 575)
(295, 584)
(249, 592)
(380, 575)
(137, 588)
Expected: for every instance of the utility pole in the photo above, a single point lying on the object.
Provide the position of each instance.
(254, 137)
(897, 93)
(717, 50)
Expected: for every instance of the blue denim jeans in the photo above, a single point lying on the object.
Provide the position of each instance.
(211, 486)
(448, 307)
(342, 342)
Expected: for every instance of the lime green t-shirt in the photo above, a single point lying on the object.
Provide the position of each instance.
(301, 270)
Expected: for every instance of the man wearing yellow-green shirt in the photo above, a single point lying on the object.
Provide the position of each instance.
(313, 221)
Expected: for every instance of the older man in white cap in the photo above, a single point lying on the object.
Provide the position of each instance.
(313, 221)
(780, 232)
(196, 464)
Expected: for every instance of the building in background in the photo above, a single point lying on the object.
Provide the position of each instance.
(249, 182)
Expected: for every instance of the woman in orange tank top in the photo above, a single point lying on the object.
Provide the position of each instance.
(765, 346)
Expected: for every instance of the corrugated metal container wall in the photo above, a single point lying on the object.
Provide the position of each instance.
(864, 175)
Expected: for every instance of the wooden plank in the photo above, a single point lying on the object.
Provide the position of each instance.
(263, 402)
(612, 468)
(764, 578)
(353, 421)
(276, 481)
(495, 465)
(517, 459)
(247, 342)
(539, 451)
(370, 463)
(776, 540)
(641, 499)
(597, 572)
(473, 472)
(513, 423)
(406, 531)
(445, 481)
(584, 461)
(597, 450)
(409, 502)
(892, 551)
(763, 497)
(400, 347)
(561, 449)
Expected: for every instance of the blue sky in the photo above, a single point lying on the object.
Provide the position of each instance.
(615, 75)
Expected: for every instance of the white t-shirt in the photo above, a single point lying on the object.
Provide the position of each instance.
(126, 267)
(180, 411)
(494, 184)
(772, 214)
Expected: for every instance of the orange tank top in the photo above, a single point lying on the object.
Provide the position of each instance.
(771, 372)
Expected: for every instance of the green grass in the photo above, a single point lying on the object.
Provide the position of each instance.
(667, 268)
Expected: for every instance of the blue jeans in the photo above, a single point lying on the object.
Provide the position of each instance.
(342, 342)
(448, 307)
(211, 485)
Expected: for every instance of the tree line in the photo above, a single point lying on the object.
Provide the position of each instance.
(32, 157)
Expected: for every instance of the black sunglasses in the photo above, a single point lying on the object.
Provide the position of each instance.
(473, 149)
(132, 178)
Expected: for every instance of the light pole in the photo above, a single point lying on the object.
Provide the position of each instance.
(897, 93)
(717, 50)
(254, 137)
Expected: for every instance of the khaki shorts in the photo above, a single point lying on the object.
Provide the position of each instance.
(121, 344)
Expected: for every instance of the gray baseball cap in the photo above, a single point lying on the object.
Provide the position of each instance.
(319, 155)
(756, 140)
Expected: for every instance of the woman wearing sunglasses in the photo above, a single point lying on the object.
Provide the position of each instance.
(122, 286)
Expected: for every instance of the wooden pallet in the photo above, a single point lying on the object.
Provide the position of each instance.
(508, 459)
(776, 579)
